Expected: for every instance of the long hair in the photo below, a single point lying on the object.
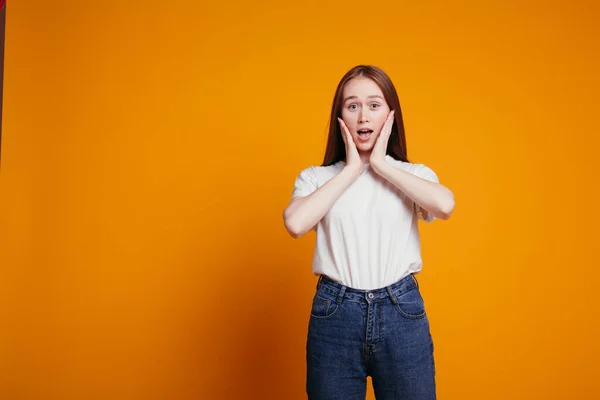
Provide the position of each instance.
(336, 149)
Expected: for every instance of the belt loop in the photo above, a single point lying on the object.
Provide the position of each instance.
(392, 295)
(415, 279)
(340, 295)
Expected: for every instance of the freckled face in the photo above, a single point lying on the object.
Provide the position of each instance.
(364, 111)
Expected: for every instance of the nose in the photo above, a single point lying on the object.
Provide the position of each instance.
(363, 116)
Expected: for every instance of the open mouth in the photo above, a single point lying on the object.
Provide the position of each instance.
(364, 134)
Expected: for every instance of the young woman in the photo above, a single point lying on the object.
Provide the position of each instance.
(368, 316)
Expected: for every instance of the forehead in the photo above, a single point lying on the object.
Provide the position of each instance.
(361, 87)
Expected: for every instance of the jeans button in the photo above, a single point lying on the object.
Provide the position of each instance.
(370, 295)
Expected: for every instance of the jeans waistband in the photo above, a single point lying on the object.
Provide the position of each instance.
(345, 292)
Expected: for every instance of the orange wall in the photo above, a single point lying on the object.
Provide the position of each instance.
(149, 150)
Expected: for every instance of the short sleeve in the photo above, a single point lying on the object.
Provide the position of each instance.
(423, 171)
(306, 182)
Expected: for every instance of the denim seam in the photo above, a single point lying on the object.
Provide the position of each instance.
(333, 292)
(410, 287)
(337, 306)
(410, 316)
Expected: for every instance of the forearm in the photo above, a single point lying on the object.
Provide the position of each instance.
(302, 214)
(432, 196)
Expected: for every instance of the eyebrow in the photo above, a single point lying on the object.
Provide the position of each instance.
(356, 97)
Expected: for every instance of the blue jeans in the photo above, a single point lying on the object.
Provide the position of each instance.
(383, 333)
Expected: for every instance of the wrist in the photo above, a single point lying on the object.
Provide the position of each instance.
(352, 172)
(378, 164)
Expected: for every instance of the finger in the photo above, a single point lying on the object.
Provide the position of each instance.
(344, 127)
(385, 128)
(343, 133)
(387, 132)
(390, 123)
(349, 139)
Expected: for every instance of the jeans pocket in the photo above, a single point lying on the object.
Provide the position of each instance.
(323, 307)
(411, 304)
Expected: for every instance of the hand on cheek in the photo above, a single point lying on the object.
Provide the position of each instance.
(380, 148)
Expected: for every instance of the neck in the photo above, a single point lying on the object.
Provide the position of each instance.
(365, 156)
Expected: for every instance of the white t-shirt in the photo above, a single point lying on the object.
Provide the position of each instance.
(369, 238)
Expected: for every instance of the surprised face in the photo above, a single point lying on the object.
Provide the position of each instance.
(364, 111)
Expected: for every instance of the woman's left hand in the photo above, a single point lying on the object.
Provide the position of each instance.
(380, 148)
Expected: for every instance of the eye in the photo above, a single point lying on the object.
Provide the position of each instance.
(375, 104)
(351, 105)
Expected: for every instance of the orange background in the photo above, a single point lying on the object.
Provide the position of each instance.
(149, 150)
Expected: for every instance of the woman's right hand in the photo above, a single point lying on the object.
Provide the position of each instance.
(304, 212)
(353, 161)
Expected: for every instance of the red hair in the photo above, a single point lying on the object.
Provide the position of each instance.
(336, 149)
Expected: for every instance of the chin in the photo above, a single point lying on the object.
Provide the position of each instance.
(365, 148)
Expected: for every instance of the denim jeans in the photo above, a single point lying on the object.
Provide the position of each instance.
(383, 333)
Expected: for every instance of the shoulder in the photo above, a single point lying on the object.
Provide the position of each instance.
(319, 172)
(312, 177)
